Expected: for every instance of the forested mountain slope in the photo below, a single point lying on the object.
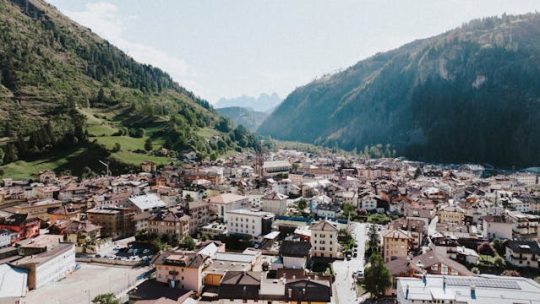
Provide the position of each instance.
(469, 95)
(56, 75)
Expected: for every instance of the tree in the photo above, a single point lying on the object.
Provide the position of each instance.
(106, 298)
(499, 262)
(301, 206)
(188, 243)
(377, 278)
(116, 147)
(373, 239)
(148, 144)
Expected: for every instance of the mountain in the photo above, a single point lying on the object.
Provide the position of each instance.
(471, 94)
(63, 88)
(244, 116)
(263, 103)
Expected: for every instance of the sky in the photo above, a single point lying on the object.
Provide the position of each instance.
(227, 48)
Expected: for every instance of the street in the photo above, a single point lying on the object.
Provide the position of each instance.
(345, 285)
(85, 283)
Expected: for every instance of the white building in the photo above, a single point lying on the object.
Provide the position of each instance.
(324, 239)
(13, 283)
(244, 221)
(5, 238)
(146, 202)
(277, 167)
(222, 203)
(437, 289)
(496, 227)
(49, 266)
(275, 203)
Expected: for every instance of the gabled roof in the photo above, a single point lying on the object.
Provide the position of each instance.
(323, 225)
(397, 234)
(294, 248)
(241, 278)
(524, 247)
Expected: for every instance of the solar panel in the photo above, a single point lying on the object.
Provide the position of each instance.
(482, 282)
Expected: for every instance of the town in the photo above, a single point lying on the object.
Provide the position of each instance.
(284, 226)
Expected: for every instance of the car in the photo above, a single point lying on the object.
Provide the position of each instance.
(348, 257)
(355, 255)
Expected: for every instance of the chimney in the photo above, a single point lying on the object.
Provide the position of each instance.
(473, 292)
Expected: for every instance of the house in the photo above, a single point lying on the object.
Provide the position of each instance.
(172, 222)
(451, 214)
(523, 254)
(49, 266)
(245, 221)
(148, 166)
(274, 202)
(327, 211)
(324, 240)
(7, 237)
(241, 285)
(24, 225)
(222, 203)
(496, 227)
(396, 244)
(181, 269)
(416, 227)
(64, 213)
(294, 254)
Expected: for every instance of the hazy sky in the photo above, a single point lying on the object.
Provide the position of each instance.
(226, 48)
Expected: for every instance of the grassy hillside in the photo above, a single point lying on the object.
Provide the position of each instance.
(468, 95)
(62, 87)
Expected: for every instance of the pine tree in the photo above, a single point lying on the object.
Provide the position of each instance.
(377, 278)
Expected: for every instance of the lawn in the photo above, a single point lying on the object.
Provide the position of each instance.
(27, 169)
(136, 159)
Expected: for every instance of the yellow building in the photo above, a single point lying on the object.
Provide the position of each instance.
(396, 244)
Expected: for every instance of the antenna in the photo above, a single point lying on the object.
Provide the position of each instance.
(106, 164)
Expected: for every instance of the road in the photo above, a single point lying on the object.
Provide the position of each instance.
(344, 285)
(85, 283)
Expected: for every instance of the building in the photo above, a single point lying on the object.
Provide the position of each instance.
(199, 211)
(396, 244)
(324, 240)
(170, 222)
(436, 289)
(222, 203)
(38, 209)
(275, 203)
(496, 227)
(49, 266)
(327, 211)
(294, 254)
(277, 167)
(524, 226)
(181, 269)
(416, 227)
(451, 214)
(13, 284)
(146, 202)
(523, 254)
(244, 221)
(7, 237)
(114, 222)
(24, 225)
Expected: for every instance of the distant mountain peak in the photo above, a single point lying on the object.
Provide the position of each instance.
(265, 102)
